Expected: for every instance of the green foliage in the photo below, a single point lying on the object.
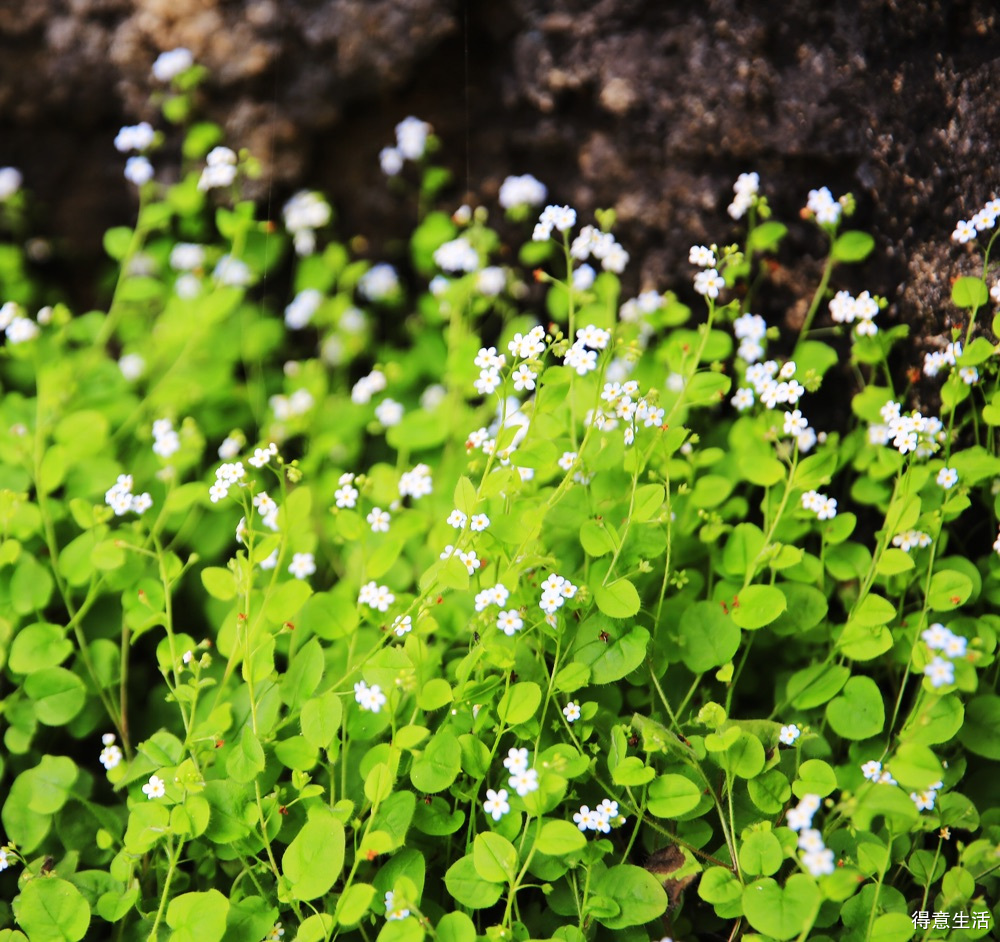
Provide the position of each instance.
(479, 648)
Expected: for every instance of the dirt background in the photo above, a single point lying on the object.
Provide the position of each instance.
(650, 107)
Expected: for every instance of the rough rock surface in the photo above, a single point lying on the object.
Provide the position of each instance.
(652, 108)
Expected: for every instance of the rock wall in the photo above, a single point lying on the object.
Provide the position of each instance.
(650, 107)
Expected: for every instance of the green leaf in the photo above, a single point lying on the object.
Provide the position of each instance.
(560, 837)
(781, 913)
(617, 600)
(303, 674)
(468, 888)
(435, 694)
(708, 637)
(648, 500)
(949, 589)
(296, 753)
(612, 659)
(639, 895)
(246, 761)
(494, 857)
(439, 764)
(981, 731)
(969, 292)
(916, 767)
(51, 783)
(758, 605)
(816, 777)
(572, 677)
(933, 720)
(874, 611)
(858, 713)
(38, 646)
(219, 583)
(977, 352)
(766, 236)
(52, 910)
(761, 854)
(116, 242)
(455, 927)
(892, 927)
(321, 718)
(250, 918)
(632, 771)
(354, 903)
(815, 685)
(58, 695)
(742, 549)
(519, 703)
(147, 826)
(671, 796)
(852, 246)
(198, 917)
(596, 538)
(312, 862)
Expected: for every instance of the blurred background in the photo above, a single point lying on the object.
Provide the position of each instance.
(652, 108)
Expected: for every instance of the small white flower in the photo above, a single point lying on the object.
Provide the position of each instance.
(402, 624)
(709, 283)
(496, 804)
(169, 65)
(524, 782)
(411, 137)
(702, 256)
(789, 734)
(819, 863)
(138, 170)
(940, 672)
(111, 756)
(154, 788)
(391, 161)
(479, 523)
(379, 520)
(872, 770)
(510, 622)
(516, 761)
(947, 478)
(457, 519)
(522, 190)
(572, 711)
(567, 460)
(302, 566)
(369, 698)
(393, 910)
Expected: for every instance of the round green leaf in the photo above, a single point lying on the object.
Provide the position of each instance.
(52, 910)
(852, 246)
(38, 646)
(494, 858)
(761, 854)
(758, 605)
(671, 796)
(708, 638)
(312, 862)
(981, 731)
(949, 589)
(468, 888)
(439, 764)
(969, 292)
(560, 837)
(858, 713)
(816, 777)
(519, 703)
(916, 767)
(781, 913)
(617, 600)
(455, 927)
(892, 927)
(639, 895)
(58, 695)
(198, 917)
(354, 903)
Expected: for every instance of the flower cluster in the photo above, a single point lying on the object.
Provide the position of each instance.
(967, 230)
(860, 311)
(299, 312)
(302, 565)
(937, 360)
(824, 207)
(411, 144)
(490, 363)
(579, 357)
(415, 483)
(226, 476)
(913, 432)
(555, 590)
(600, 818)
(627, 406)
(121, 500)
(10, 182)
(379, 283)
(750, 330)
(523, 190)
(111, 754)
(458, 255)
(561, 218)
(468, 558)
(523, 779)
(602, 246)
(304, 213)
(824, 507)
(497, 595)
(134, 137)
(166, 441)
(287, 407)
(907, 540)
(394, 911)
(376, 596)
(745, 188)
(939, 638)
(16, 327)
(366, 387)
(816, 857)
(220, 169)
(369, 698)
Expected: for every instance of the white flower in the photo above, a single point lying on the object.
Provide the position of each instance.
(416, 483)
(524, 378)
(154, 788)
(21, 330)
(947, 478)
(795, 423)
(789, 734)
(702, 256)
(487, 359)
(270, 561)
(303, 306)
(583, 277)
(964, 231)
(134, 137)
(924, 800)
(567, 460)
(369, 698)
(709, 283)
(572, 711)
(402, 624)
(456, 256)
(276, 934)
(220, 170)
(819, 863)
(233, 272)
(111, 755)
(522, 190)
(379, 283)
(368, 386)
(496, 804)
(969, 375)
(389, 412)
(411, 137)
(509, 622)
(457, 519)
(524, 782)
(581, 359)
(379, 520)
(488, 381)
(479, 523)
(872, 770)
(391, 160)
(940, 672)
(138, 170)
(562, 218)
(10, 182)
(302, 565)
(516, 761)
(743, 399)
(169, 65)
(490, 281)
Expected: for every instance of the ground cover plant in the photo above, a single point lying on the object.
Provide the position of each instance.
(462, 598)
